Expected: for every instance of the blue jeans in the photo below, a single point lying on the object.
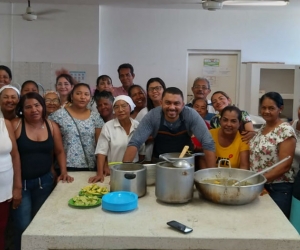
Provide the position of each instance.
(34, 194)
(281, 193)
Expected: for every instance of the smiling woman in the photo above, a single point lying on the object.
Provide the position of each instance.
(37, 139)
(104, 101)
(64, 85)
(138, 96)
(220, 100)
(9, 98)
(80, 128)
(228, 141)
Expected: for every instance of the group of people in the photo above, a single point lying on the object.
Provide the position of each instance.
(73, 129)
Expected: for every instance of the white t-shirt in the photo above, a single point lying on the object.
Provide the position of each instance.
(210, 108)
(113, 141)
(141, 114)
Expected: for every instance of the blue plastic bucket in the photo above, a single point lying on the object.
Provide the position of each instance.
(295, 214)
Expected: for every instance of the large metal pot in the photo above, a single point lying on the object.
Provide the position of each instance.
(228, 194)
(174, 185)
(190, 158)
(128, 177)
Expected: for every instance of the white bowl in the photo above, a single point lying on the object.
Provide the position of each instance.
(150, 173)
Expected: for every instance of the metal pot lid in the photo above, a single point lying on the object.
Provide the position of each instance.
(175, 156)
(129, 167)
(166, 164)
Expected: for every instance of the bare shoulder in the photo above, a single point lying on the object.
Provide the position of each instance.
(15, 123)
(53, 124)
(8, 124)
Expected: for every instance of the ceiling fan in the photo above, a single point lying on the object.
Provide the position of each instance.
(218, 4)
(30, 15)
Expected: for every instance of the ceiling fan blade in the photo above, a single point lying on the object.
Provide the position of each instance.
(10, 14)
(44, 18)
(49, 11)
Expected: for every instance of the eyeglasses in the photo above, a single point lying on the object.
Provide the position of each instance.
(200, 87)
(122, 106)
(54, 101)
(152, 89)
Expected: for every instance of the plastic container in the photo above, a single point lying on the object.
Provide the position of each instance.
(120, 201)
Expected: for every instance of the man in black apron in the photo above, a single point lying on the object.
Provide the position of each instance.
(171, 126)
(171, 137)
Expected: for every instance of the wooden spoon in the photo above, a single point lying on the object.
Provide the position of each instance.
(183, 152)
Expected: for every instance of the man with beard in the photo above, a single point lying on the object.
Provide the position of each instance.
(172, 126)
(201, 89)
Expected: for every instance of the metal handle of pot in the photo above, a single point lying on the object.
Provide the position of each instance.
(129, 176)
(198, 154)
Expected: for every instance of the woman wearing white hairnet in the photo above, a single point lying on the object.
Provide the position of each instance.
(114, 137)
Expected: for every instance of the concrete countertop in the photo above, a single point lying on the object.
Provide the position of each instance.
(258, 225)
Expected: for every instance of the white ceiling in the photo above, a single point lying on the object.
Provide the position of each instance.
(174, 4)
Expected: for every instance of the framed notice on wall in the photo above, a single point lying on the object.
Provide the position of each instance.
(212, 62)
(79, 76)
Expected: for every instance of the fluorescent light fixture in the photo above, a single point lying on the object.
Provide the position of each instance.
(257, 2)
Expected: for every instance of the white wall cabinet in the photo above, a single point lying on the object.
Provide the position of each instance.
(281, 78)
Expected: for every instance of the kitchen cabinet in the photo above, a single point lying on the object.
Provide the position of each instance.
(281, 78)
(259, 225)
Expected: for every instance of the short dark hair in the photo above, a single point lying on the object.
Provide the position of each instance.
(104, 95)
(104, 78)
(28, 82)
(7, 70)
(76, 86)
(230, 109)
(30, 95)
(276, 97)
(173, 91)
(202, 99)
(126, 66)
(69, 78)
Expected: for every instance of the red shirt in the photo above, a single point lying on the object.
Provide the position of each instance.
(195, 140)
(119, 91)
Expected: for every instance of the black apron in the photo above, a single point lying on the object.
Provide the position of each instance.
(168, 141)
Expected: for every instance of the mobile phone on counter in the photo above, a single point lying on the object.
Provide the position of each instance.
(180, 227)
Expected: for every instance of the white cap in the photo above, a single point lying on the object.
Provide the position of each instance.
(126, 99)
